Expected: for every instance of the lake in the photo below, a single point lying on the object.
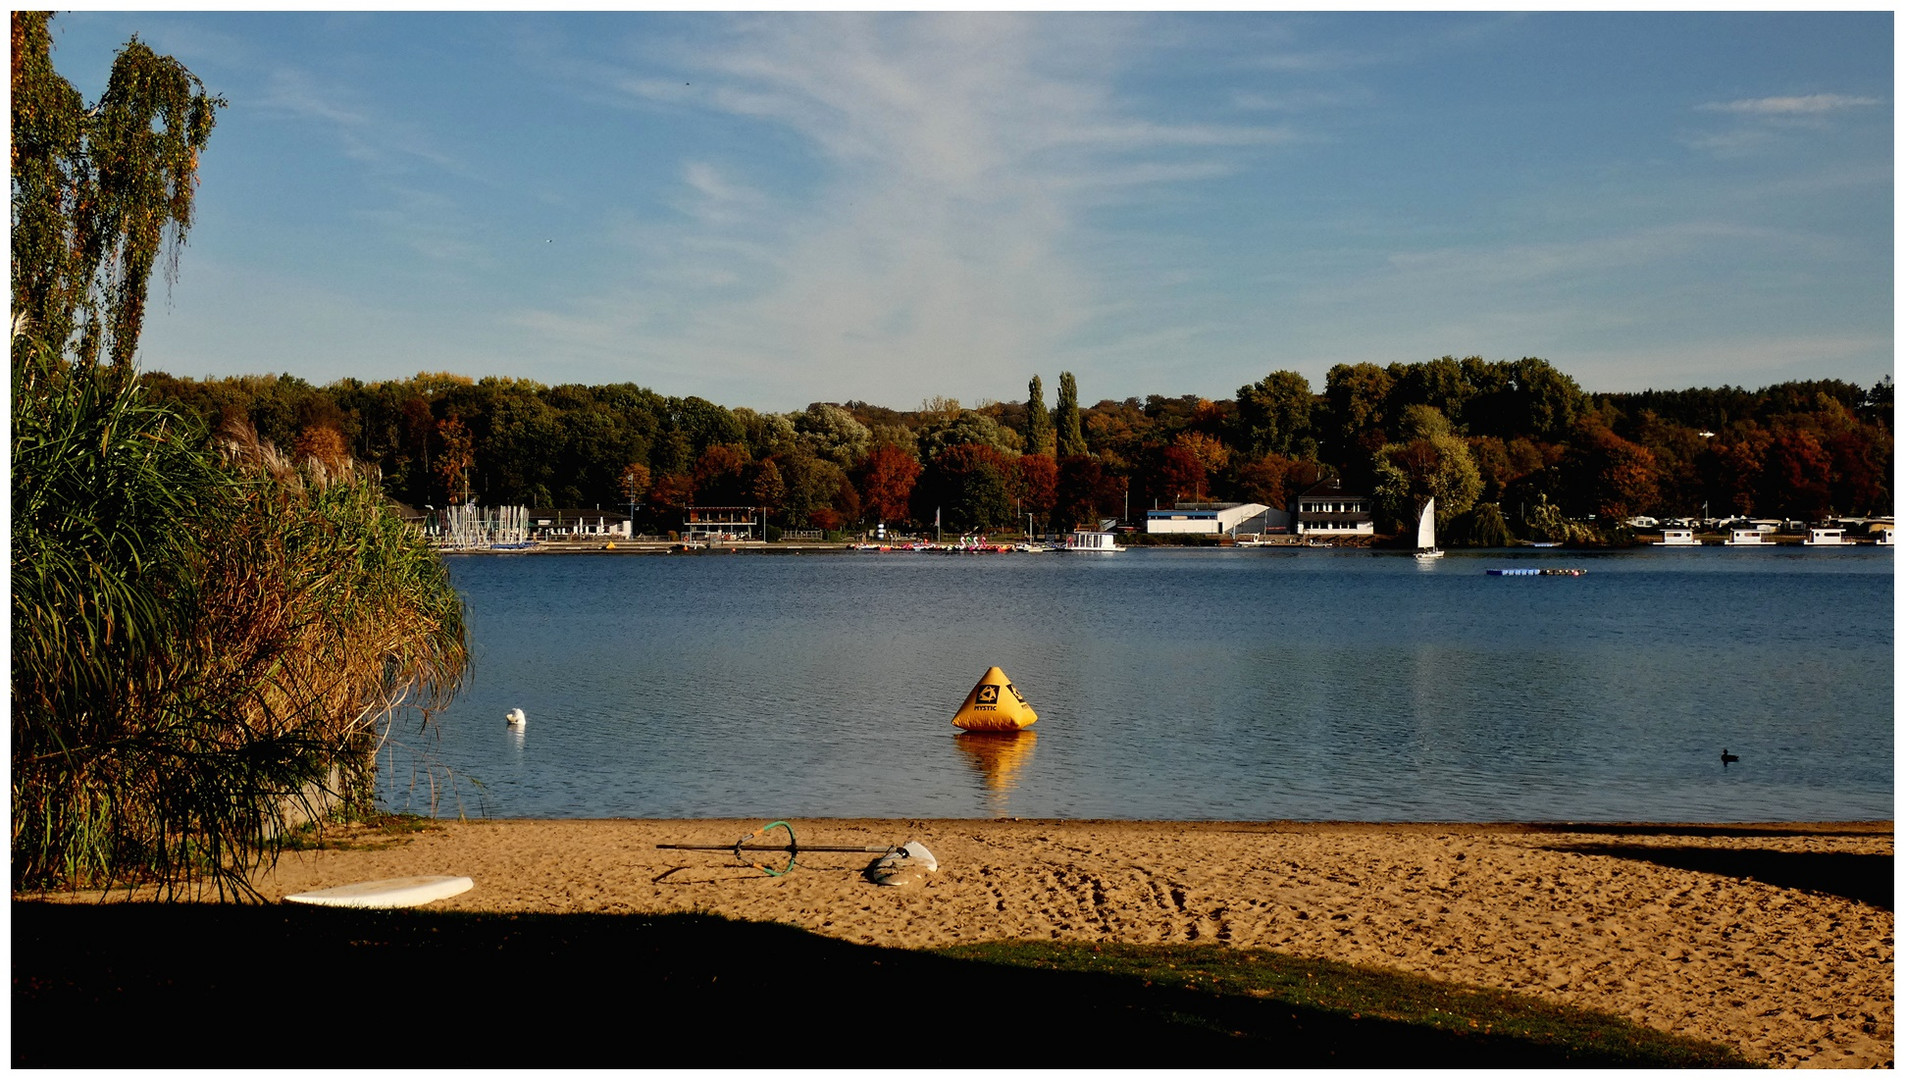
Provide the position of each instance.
(1175, 684)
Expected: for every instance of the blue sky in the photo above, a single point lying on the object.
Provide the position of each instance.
(773, 209)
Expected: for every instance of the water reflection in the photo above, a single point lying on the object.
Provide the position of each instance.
(999, 756)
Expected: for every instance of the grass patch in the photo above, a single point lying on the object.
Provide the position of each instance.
(362, 832)
(1214, 987)
(449, 989)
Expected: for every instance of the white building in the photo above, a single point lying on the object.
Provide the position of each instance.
(1327, 510)
(1216, 519)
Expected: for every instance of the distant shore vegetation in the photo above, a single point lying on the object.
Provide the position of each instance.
(1510, 449)
(210, 637)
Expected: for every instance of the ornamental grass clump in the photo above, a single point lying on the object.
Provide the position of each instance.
(208, 639)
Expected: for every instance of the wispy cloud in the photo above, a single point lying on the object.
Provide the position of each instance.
(1805, 105)
(1757, 125)
(935, 246)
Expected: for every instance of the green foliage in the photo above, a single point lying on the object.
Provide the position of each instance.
(969, 486)
(1484, 526)
(1545, 524)
(1277, 415)
(1040, 435)
(1431, 463)
(969, 426)
(831, 432)
(1070, 434)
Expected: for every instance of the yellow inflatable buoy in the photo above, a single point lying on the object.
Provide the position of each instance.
(995, 705)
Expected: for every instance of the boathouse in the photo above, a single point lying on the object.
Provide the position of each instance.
(1325, 509)
(1216, 519)
(722, 523)
(577, 521)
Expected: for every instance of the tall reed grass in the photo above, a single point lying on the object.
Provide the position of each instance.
(208, 638)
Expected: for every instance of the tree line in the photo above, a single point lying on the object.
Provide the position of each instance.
(1507, 448)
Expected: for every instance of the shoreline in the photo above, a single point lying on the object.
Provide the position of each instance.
(617, 546)
(1774, 938)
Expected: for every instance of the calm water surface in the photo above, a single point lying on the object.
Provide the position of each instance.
(1236, 684)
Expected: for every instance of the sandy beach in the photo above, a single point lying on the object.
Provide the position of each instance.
(1776, 940)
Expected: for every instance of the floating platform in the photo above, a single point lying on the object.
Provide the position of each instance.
(1532, 572)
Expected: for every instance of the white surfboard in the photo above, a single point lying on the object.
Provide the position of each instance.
(386, 893)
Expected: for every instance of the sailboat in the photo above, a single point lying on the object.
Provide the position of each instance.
(1425, 533)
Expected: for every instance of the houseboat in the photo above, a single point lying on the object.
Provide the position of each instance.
(1882, 536)
(1676, 538)
(1093, 542)
(1746, 538)
(1825, 538)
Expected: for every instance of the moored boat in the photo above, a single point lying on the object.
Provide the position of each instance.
(1093, 542)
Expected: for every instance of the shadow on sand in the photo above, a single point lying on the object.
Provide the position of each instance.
(202, 985)
(1865, 879)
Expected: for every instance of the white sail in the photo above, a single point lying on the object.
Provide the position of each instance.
(1425, 529)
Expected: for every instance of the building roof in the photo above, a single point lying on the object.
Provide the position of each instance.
(1329, 487)
(577, 513)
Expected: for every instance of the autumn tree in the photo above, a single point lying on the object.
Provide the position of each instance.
(720, 476)
(1037, 484)
(1085, 491)
(886, 482)
(671, 495)
(769, 489)
(635, 480)
(323, 444)
(1608, 476)
(1798, 473)
(1261, 479)
(1172, 474)
(454, 458)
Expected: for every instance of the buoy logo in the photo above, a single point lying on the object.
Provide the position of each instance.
(986, 709)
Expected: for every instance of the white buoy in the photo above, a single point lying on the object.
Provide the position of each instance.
(516, 717)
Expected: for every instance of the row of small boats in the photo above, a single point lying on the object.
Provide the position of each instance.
(1082, 541)
(1820, 537)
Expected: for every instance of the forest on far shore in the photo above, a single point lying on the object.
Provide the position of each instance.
(1501, 445)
